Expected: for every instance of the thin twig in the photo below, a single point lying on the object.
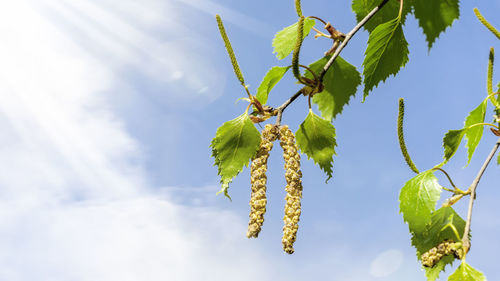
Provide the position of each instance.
(472, 188)
(349, 36)
(282, 107)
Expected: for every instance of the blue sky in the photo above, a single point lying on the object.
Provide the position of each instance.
(108, 108)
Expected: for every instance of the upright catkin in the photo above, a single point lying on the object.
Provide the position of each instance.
(293, 188)
(258, 181)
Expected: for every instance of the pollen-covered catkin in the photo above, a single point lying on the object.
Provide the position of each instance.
(258, 181)
(293, 188)
(434, 255)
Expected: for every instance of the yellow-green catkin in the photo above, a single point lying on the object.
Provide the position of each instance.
(229, 50)
(296, 50)
(258, 180)
(293, 188)
(486, 23)
(434, 255)
(401, 137)
(298, 8)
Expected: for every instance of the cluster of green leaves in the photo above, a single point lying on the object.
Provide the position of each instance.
(430, 227)
(418, 197)
(386, 53)
(237, 141)
(387, 50)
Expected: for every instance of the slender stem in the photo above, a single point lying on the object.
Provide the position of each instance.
(349, 36)
(482, 124)
(282, 107)
(248, 92)
(313, 17)
(400, 8)
(310, 71)
(320, 33)
(448, 189)
(448, 176)
(472, 188)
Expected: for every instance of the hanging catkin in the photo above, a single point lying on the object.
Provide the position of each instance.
(293, 188)
(258, 181)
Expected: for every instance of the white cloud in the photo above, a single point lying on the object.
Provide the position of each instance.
(153, 40)
(145, 238)
(74, 200)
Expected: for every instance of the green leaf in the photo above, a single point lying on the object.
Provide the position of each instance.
(273, 76)
(418, 199)
(284, 40)
(390, 11)
(451, 141)
(432, 273)
(316, 138)
(443, 224)
(466, 272)
(443, 221)
(474, 134)
(386, 53)
(235, 143)
(435, 16)
(341, 82)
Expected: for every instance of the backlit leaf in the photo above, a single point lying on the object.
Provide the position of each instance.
(474, 134)
(390, 11)
(443, 221)
(235, 143)
(386, 53)
(340, 84)
(466, 272)
(435, 16)
(417, 200)
(273, 76)
(432, 273)
(284, 40)
(451, 141)
(316, 138)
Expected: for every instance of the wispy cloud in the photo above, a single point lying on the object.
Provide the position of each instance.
(152, 41)
(246, 22)
(75, 203)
